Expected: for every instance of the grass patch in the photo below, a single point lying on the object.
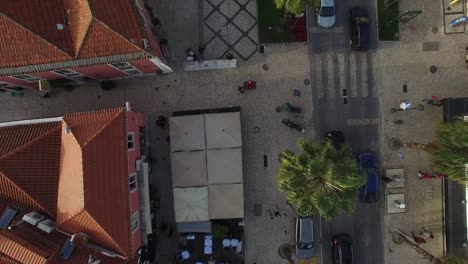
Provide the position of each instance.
(271, 17)
(389, 27)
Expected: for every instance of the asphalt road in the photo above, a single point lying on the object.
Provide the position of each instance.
(345, 98)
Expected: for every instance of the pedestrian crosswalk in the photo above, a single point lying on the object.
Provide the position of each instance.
(343, 75)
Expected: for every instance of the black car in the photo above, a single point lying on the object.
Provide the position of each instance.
(342, 249)
(360, 28)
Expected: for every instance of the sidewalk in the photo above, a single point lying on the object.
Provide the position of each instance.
(407, 63)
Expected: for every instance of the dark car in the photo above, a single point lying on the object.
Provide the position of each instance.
(342, 249)
(304, 238)
(368, 166)
(360, 28)
(337, 138)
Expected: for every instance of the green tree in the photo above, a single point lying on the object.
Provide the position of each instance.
(320, 179)
(296, 6)
(451, 153)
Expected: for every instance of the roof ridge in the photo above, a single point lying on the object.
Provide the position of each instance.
(121, 110)
(118, 34)
(36, 35)
(105, 232)
(87, 32)
(25, 193)
(59, 125)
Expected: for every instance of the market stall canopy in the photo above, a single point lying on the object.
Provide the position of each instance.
(191, 204)
(187, 133)
(226, 201)
(223, 130)
(224, 166)
(188, 169)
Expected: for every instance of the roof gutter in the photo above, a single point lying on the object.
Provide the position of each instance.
(31, 121)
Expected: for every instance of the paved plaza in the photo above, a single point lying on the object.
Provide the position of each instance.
(374, 82)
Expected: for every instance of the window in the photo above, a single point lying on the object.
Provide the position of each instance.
(131, 141)
(126, 67)
(132, 182)
(134, 221)
(69, 73)
(26, 77)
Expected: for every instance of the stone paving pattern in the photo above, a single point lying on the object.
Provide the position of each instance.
(405, 62)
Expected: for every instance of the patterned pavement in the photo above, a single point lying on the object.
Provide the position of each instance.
(230, 26)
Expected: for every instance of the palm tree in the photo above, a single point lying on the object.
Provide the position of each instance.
(295, 6)
(320, 179)
(451, 155)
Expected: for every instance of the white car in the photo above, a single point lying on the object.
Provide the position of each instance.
(326, 15)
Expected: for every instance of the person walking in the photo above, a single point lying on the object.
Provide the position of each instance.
(418, 240)
(426, 232)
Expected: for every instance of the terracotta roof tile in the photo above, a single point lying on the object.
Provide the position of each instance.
(95, 28)
(29, 173)
(104, 179)
(41, 18)
(102, 41)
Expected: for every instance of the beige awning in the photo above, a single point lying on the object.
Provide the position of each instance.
(189, 169)
(223, 130)
(224, 166)
(187, 133)
(191, 204)
(226, 201)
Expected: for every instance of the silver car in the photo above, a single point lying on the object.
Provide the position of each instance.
(326, 15)
(304, 238)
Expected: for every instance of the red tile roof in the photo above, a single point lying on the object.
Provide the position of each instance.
(90, 29)
(93, 192)
(74, 171)
(29, 165)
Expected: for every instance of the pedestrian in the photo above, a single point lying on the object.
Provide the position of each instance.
(426, 232)
(270, 214)
(386, 179)
(229, 56)
(434, 101)
(241, 89)
(201, 49)
(277, 214)
(418, 240)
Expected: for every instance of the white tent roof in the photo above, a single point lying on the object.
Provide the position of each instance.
(223, 130)
(187, 133)
(224, 166)
(191, 204)
(188, 169)
(226, 201)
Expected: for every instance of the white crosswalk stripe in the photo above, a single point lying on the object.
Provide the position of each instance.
(341, 73)
(353, 71)
(364, 88)
(331, 80)
(318, 72)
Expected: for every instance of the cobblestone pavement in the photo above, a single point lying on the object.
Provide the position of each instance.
(161, 95)
(406, 64)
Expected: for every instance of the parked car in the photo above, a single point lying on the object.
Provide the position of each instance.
(342, 249)
(326, 14)
(304, 237)
(368, 166)
(336, 137)
(360, 28)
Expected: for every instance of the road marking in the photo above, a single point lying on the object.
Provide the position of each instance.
(318, 72)
(365, 88)
(330, 74)
(352, 70)
(362, 122)
(326, 30)
(341, 72)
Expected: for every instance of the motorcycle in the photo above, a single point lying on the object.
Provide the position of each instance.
(289, 108)
(293, 125)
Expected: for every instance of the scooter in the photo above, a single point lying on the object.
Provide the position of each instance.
(289, 108)
(293, 125)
